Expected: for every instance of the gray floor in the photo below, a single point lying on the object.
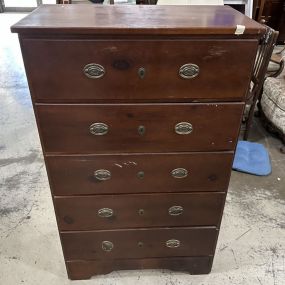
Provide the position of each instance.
(251, 245)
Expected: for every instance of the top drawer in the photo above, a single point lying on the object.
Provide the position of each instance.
(136, 70)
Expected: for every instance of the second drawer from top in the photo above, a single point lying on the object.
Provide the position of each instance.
(123, 128)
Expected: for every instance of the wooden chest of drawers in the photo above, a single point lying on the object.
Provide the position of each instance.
(138, 111)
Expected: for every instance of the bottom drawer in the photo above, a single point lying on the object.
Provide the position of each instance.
(139, 243)
(85, 269)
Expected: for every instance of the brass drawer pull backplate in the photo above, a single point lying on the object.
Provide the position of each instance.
(107, 245)
(105, 213)
(173, 243)
(94, 70)
(98, 129)
(179, 173)
(183, 128)
(102, 174)
(175, 210)
(189, 70)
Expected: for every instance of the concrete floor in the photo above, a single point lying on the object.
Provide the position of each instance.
(251, 247)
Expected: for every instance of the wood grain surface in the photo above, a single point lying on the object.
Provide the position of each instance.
(140, 19)
(138, 211)
(65, 128)
(55, 69)
(139, 110)
(127, 243)
(74, 175)
(85, 269)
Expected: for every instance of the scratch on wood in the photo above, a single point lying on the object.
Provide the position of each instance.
(111, 49)
(127, 163)
(215, 52)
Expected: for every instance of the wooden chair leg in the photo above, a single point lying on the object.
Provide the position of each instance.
(251, 114)
(248, 122)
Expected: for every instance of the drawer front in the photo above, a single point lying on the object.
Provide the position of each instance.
(138, 128)
(139, 243)
(60, 70)
(140, 210)
(137, 173)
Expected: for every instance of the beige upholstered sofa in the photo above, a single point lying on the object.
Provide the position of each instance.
(273, 104)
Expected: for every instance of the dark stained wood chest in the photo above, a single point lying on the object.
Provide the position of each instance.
(138, 110)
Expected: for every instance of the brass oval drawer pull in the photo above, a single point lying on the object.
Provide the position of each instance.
(94, 70)
(179, 173)
(107, 245)
(189, 70)
(175, 210)
(102, 174)
(173, 243)
(183, 128)
(99, 129)
(105, 213)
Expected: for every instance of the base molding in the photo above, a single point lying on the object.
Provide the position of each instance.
(85, 269)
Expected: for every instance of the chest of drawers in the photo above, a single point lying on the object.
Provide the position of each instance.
(138, 111)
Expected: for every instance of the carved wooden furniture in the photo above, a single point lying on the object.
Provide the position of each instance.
(264, 53)
(138, 119)
(271, 13)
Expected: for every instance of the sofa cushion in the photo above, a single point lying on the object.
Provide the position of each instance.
(273, 101)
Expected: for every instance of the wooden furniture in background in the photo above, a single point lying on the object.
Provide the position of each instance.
(257, 10)
(112, 2)
(63, 1)
(138, 133)
(264, 53)
(278, 59)
(145, 2)
(271, 13)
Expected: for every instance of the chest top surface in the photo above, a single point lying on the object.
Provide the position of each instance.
(137, 20)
